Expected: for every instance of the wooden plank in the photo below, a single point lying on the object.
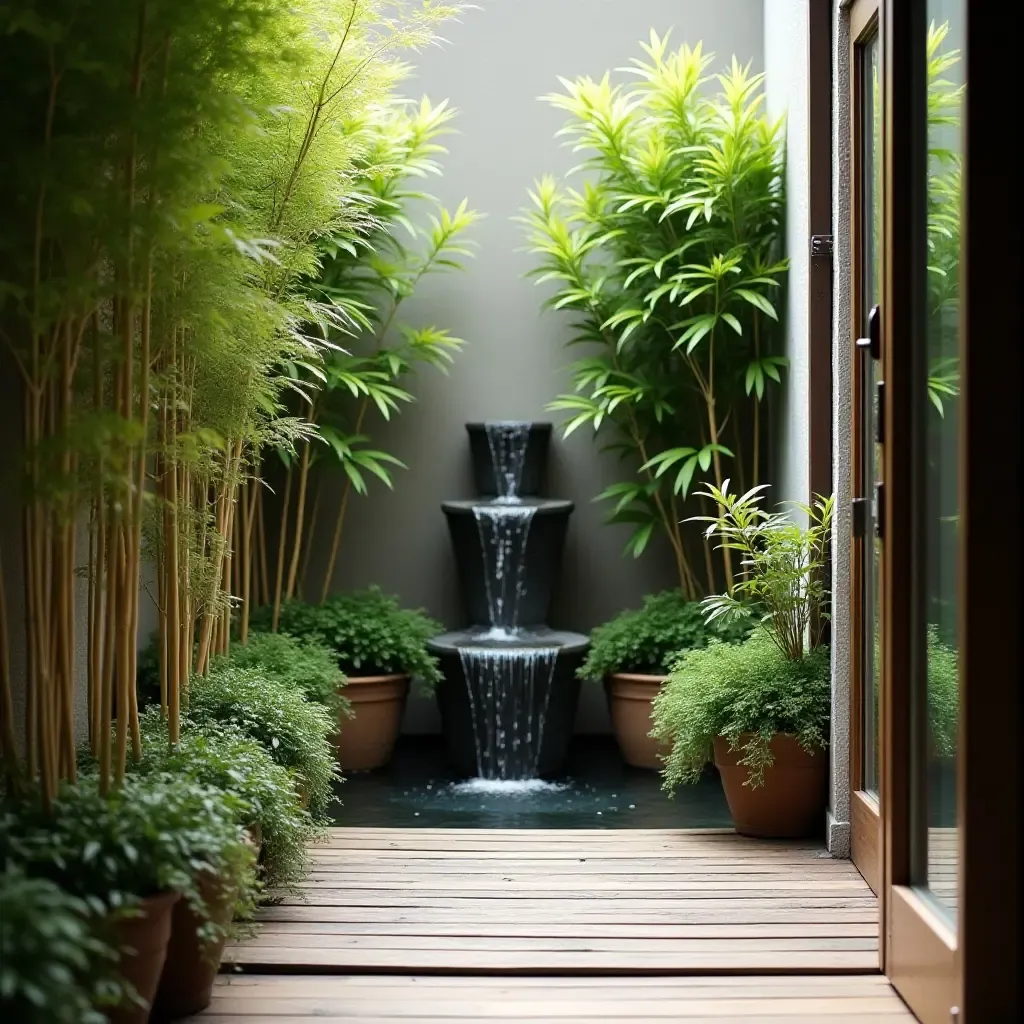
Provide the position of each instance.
(508, 903)
(278, 1000)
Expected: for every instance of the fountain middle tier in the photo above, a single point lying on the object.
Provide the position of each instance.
(508, 556)
(508, 699)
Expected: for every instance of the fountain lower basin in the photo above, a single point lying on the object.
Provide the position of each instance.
(508, 705)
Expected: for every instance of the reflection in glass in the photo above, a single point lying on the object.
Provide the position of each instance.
(871, 468)
(941, 511)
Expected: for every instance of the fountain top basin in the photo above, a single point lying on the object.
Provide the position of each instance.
(486, 637)
(539, 506)
(535, 427)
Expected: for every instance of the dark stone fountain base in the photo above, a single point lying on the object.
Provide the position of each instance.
(549, 712)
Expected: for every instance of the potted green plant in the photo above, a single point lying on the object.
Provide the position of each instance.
(307, 665)
(760, 709)
(268, 806)
(56, 966)
(379, 646)
(224, 757)
(138, 849)
(293, 730)
(633, 654)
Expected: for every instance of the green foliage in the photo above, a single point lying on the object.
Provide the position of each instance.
(649, 639)
(294, 731)
(226, 759)
(945, 188)
(943, 695)
(749, 689)
(154, 833)
(783, 566)
(306, 665)
(55, 968)
(370, 271)
(369, 632)
(668, 255)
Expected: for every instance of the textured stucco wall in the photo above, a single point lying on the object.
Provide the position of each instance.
(786, 73)
(842, 451)
(497, 63)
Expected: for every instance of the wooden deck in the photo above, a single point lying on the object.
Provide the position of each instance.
(564, 925)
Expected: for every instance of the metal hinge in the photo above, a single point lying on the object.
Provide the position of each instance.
(861, 508)
(822, 245)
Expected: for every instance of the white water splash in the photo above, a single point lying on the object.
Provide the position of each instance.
(507, 787)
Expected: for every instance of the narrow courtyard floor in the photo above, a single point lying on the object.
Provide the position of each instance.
(563, 925)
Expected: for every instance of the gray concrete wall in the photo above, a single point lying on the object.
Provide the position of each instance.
(499, 60)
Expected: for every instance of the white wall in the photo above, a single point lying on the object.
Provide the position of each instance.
(786, 76)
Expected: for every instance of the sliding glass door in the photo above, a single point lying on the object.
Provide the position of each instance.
(918, 511)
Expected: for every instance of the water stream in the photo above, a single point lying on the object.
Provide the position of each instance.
(509, 689)
(507, 441)
(504, 531)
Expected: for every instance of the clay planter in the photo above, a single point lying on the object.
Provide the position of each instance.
(790, 804)
(191, 967)
(144, 939)
(630, 696)
(368, 737)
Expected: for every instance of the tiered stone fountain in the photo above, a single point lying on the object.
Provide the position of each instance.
(508, 700)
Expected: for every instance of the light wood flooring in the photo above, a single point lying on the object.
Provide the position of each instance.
(569, 925)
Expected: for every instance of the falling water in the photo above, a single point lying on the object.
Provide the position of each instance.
(504, 530)
(509, 690)
(507, 441)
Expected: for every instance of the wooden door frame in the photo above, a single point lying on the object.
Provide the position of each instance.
(919, 944)
(865, 816)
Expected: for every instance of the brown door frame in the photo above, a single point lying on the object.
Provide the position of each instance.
(919, 944)
(865, 816)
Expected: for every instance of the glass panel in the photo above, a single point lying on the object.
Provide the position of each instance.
(870, 452)
(941, 509)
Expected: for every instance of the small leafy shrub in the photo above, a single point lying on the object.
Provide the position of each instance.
(151, 834)
(55, 968)
(369, 632)
(225, 758)
(731, 689)
(649, 639)
(783, 566)
(306, 665)
(293, 730)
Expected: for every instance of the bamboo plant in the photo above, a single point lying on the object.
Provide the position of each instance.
(668, 253)
(373, 269)
(164, 206)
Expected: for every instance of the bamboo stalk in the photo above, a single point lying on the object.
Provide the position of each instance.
(281, 542)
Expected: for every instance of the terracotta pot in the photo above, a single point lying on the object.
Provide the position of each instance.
(191, 967)
(630, 696)
(790, 804)
(368, 738)
(143, 939)
(254, 837)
